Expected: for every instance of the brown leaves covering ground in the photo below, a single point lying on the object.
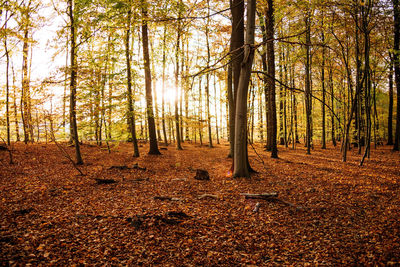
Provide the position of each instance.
(51, 215)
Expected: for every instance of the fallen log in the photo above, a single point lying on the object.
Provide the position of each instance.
(265, 196)
(105, 181)
(272, 197)
(166, 198)
(139, 180)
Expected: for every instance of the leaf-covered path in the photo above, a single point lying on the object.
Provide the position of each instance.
(342, 213)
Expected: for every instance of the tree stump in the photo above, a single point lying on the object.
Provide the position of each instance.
(202, 175)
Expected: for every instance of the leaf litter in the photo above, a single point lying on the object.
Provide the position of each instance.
(157, 213)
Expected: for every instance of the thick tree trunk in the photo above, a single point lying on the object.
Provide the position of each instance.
(147, 73)
(236, 47)
(74, 68)
(241, 168)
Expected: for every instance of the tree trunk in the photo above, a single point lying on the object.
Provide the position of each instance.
(178, 40)
(74, 68)
(131, 114)
(236, 47)
(241, 168)
(271, 113)
(208, 79)
(396, 62)
(390, 115)
(147, 73)
(333, 134)
(7, 81)
(307, 83)
(25, 95)
(323, 86)
(164, 60)
(231, 109)
(15, 105)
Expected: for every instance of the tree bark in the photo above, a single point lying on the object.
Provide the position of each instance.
(208, 79)
(147, 73)
(7, 81)
(271, 107)
(178, 41)
(307, 83)
(396, 62)
(241, 168)
(164, 60)
(323, 86)
(131, 114)
(390, 115)
(236, 47)
(74, 68)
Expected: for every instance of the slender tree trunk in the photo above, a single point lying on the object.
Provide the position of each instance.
(131, 114)
(65, 90)
(200, 114)
(26, 117)
(15, 105)
(269, 127)
(333, 134)
(390, 115)
(74, 68)
(215, 106)
(208, 79)
(7, 82)
(147, 73)
(231, 110)
(323, 86)
(164, 60)
(307, 83)
(178, 41)
(241, 168)
(396, 62)
(271, 79)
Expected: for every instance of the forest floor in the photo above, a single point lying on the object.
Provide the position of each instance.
(331, 213)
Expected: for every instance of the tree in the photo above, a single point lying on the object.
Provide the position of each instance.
(271, 102)
(72, 104)
(236, 51)
(178, 43)
(241, 167)
(7, 79)
(396, 63)
(308, 80)
(131, 114)
(149, 98)
(390, 115)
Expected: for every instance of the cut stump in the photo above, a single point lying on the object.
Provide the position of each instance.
(202, 175)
